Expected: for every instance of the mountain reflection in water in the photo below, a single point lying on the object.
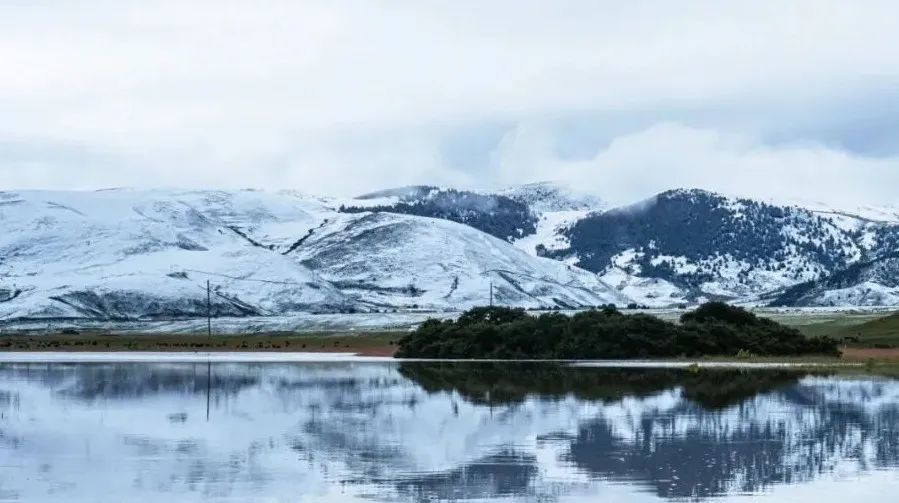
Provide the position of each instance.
(440, 431)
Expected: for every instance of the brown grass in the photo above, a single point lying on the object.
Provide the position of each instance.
(865, 354)
(367, 344)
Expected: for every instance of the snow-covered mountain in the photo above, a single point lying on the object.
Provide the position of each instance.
(495, 214)
(549, 197)
(682, 246)
(535, 217)
(124, 254)
(868, 283)
(556, 207)
(399, 260)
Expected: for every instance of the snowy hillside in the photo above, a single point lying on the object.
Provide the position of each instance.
(869, 283)
(678, 247)
(494, 214)
(124, 254)
(528, 215)
(556, 207)
(548, 197)
(398, 260)
(686, 245)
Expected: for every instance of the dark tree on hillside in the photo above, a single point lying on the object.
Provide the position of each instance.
(498, 216)
(701, 226)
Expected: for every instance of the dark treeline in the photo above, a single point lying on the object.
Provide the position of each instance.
(498, 216)
(715, 328)
(690, 223)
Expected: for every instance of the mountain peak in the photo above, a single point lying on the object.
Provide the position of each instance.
(402, 193)
(550, 196)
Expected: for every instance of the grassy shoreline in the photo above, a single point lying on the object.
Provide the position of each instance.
(368, 344)
(881, 362)
(874, 339)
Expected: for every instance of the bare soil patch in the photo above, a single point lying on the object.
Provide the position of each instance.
(878, 354)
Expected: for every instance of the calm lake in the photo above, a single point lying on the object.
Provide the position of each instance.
(388, 431)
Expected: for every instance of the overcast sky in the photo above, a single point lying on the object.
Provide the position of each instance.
(622, 98)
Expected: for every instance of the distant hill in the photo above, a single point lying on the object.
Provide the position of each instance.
(705, 245)
(546, 197)
(124, 254)
(147, 254)
(869, 283)
(497, 215)
(679, 247)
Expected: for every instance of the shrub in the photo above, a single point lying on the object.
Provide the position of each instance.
(504, 333)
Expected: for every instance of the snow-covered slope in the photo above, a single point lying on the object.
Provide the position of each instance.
(869, 283)
(557, 207)
(533, 216)
(684, 246)
(148, 253)
(124, 254)
(406, 261)
(681, 246)
(548, 197)
(707, 245)
(494, 214)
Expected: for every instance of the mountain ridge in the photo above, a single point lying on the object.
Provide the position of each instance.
(146, 254)
(135, 253)
(696, 244)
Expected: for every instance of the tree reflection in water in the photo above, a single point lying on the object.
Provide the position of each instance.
(432, 431)
(717, 440)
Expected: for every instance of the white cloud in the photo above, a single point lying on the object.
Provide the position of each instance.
(348, 96)
(671, 155)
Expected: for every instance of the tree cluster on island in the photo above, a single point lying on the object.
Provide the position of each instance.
(713, 329)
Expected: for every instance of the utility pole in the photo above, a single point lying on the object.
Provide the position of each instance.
(208, 309)
(491, 293)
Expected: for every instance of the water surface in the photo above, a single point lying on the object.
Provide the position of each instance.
(388, 431)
